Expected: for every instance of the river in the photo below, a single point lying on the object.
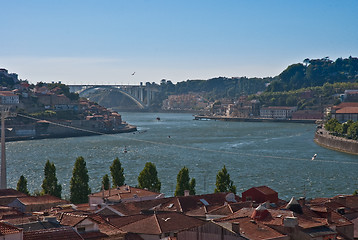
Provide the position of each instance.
(274, 154)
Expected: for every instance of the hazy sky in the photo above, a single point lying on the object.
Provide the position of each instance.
(104, 42)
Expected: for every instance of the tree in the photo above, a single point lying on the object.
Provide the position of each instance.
(148, 178)
(22, 185)
(79, 188)
(223, 182)
(117, 173)
(105, 182)
(49, 184)
(352, 131)
(184, 183)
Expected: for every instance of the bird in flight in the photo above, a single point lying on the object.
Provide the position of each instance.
(133, 73)
(314, 156)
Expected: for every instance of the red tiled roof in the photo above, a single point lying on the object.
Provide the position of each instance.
(63, 233)
(256, 231)
(347, 110)
(6, 229)
(131, 208)
(346, 104)
(71, 219)
(5, 193)
(123, 192)
(45, 199)
(163, 222)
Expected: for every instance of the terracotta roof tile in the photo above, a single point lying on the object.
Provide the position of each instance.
(124, 192)
(6, 229)
(347, 110)
(162, 223)
(45, 199)
(70, 219)
(64, 233)
(257, 231)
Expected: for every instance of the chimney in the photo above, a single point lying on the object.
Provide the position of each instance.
(290, 222)
(235, 227)
(342, 200)
(186, 193)
(302, 201)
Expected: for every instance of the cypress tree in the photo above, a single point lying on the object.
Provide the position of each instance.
(117, 173)
(184, 183)
(22, 185)
(223, 182)
(105, 182)
(79, 188)
(148, 178)
(49, 184)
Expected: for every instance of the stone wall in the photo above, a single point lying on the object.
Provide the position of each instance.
(324, 139)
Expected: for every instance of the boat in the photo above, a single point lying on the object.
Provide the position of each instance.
(158, 118)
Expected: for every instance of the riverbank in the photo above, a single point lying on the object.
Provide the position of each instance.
(74, 133)
(237, 119)
(326, 140)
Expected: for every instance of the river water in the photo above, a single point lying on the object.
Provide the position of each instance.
(274, 154)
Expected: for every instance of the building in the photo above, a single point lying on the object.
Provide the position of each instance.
(122, 194)
(345, 111)
(307, 114)
(9, 232)
(53, 234)
(168, 225)
(260, 195)
(8, 195)
(277, 112)
(350, 96)
(9, 98)
(34, 204)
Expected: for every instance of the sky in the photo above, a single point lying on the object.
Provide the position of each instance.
(105, 42)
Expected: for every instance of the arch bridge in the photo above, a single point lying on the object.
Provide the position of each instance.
(140, 94)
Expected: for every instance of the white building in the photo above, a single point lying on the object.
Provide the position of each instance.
(8, 97)
(277, 112)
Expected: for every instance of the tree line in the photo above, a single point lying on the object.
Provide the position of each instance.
(315, 72)
(347, 129)
(147, 179)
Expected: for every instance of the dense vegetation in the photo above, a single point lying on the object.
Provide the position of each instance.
(315, 72)
(306, 98)
(347, 129)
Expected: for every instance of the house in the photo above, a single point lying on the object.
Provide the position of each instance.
(8, 195)
(260, 194)
(345, 111)
(90, 226)
(285, 223)
(277, 112)
(123, 193)
(9, 232)
(307, 114)
(195, 205)
(165, 225)
(9, 98)
(53, 234)
(38, 203)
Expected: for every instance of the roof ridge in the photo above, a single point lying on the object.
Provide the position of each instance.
(180, 207)
(232, 211)
(156, 219)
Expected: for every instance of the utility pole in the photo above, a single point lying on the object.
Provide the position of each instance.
(4, 114)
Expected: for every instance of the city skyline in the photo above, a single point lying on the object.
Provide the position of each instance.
(105, 43)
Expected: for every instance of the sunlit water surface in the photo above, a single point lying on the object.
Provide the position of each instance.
(274, 154)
